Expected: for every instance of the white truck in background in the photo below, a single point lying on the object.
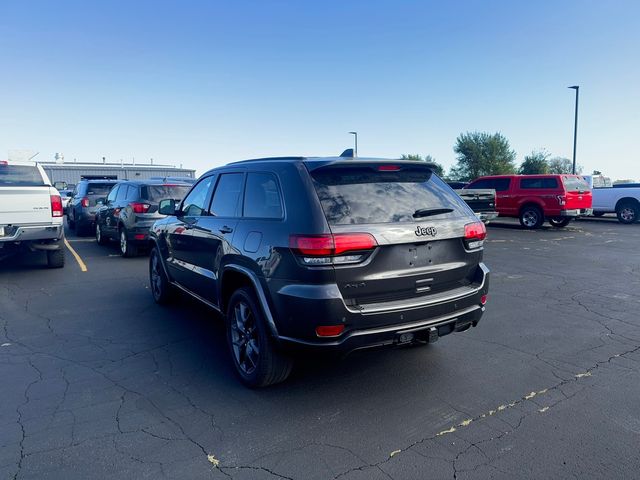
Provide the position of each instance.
(31, 213)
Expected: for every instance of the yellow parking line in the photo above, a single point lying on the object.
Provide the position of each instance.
(83, 267)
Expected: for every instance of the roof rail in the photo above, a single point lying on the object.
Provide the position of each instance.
(266, 159)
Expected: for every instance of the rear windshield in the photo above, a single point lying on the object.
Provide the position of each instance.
(356, 195)
(100, 189)
(575, 184)
(21, 175)
(155, 193)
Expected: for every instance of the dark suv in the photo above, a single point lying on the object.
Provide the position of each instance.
(130, 210)
(81, 209)
(332, 254)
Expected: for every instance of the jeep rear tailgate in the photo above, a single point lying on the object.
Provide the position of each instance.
(418, 224)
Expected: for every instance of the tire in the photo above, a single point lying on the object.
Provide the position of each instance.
(127, 249)
(55, 258)
(531, 217)
(257, 361)
(161, 289)
(598, 214)
(100, 238)
(628, 212)
(559, 222)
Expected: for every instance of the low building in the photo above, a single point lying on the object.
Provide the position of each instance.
(66, 174)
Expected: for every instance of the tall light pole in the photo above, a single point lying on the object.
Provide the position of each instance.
(575, 129)
(355, 150)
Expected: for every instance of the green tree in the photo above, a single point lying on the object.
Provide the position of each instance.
(535, 162)
(439, 169)
(481, 153)
(561, 165)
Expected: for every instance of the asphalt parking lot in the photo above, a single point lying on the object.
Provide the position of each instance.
(99, 382)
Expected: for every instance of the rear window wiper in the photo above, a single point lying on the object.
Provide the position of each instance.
(427, 212)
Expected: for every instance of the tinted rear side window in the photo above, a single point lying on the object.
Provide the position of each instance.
(357, 195)
(548, 183)
(155, 193)
(22, 175)
(262, 196)
(575, 184)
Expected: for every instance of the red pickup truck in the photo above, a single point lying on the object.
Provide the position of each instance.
(534, 198)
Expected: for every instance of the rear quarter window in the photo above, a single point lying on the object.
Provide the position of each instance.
(362, 194)
(538, 183)
(20, 175)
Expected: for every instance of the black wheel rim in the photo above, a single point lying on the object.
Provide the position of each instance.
(156, 279)
(244, 337)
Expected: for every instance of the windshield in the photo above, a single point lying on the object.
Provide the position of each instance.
(362, 194)
(575, 184)
(22, 175)
(155, 193)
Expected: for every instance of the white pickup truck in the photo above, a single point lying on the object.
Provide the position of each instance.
(624, 202)
(31, 214)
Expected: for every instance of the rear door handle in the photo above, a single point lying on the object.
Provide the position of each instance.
(226, 229)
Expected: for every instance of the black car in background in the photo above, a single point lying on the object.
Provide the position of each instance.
(81, 209)
(329, 254)
(131, 208)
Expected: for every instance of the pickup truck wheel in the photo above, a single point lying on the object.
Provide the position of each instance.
(55, 258)
(161, 288)
(628, 212)
(127, 249)
(100, 238)
(559, 222)
(255, 357)
(531, 217)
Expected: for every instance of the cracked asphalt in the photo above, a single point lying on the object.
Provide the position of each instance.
(99, 382)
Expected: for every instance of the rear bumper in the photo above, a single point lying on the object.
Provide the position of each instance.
(299, 309)
(486, 217)
(576, 212)
(140, 232)
(32, 233)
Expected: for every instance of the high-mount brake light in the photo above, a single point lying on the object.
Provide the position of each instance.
(4, 162)
(474, 234)
(326, 249)
(56, 206)
(138, 207)
(85, 202)
(389, 168)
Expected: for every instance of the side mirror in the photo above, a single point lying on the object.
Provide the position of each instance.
(167, 207)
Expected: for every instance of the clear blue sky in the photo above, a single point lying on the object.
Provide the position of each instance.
(203, 83)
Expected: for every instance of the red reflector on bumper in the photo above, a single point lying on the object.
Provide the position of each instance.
(139, 236)
(329, 330)
(483, 299)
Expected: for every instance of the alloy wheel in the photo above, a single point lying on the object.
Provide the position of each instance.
(244, 338)
(123, 242)
(530, 218)
(628, 214)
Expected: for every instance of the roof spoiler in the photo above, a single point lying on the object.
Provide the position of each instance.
(348, 153)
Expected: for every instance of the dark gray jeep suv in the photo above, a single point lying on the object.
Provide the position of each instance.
(332, 254)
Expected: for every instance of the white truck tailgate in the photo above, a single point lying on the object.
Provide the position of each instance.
(25, 205)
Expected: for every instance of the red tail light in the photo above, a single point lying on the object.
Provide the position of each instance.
(329, 330)
(138, 207)
(330, 248)
(85, 201)
(56, 206)
(483, 300)
(474, 234)
(388, 168)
